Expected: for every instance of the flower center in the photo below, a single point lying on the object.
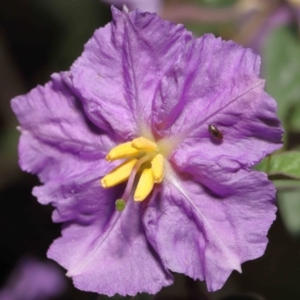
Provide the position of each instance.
(142, 161)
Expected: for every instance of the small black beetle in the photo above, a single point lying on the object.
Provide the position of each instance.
(215, 132)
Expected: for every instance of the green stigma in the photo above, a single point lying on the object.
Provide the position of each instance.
(120, 205)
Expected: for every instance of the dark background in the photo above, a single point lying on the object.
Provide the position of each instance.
(38, 38)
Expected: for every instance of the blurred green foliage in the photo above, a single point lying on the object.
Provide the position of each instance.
(216, 3)
(281, 68)
(285, 164)
(289, 206)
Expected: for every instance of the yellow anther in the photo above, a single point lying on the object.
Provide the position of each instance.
(143, 144)
(145, 185)
(157, 165)
(121, 151)
(118, 174)
(144, 158)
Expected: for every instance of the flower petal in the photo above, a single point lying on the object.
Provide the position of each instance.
(120, 69)
(216, 83)
(104, 251)
(205, 77)
(32, 279)
(56, 135)
(206, 233)
(247, 136)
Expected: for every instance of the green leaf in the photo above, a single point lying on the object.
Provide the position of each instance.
(286, 164)
(282, 70)
(289, 207)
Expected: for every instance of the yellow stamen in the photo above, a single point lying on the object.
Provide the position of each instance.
(145, 185)
(157, 165)
(144, 167)
(121, 151)
(143, 144)
(118, 174)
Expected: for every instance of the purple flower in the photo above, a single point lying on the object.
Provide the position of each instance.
(193, 203)
(146, 5)
(33, 280)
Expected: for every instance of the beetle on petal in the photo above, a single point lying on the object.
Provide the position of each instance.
(215, 132)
